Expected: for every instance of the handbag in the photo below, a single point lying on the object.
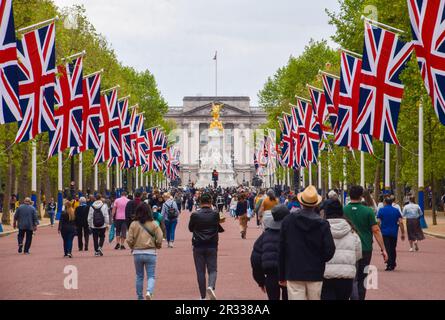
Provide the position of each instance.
(222, 217)
(112, 233)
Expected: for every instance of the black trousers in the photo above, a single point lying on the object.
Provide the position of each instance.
(83, 232)
(205, 258)
(390, 246)
(98, 238)
(336, 289)
(359, 290)
(273, 289)
(28, 240)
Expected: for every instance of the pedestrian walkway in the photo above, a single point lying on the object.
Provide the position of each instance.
(41, 274)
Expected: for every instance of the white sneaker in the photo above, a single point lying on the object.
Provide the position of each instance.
(211, 294)
(148, 296)
(411, 250)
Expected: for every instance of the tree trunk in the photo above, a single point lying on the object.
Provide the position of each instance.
(6, 217)
(399, 184)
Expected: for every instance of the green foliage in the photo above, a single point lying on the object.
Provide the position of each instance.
(141, 85)
(291, 79)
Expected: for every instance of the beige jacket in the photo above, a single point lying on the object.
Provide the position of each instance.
(139, 239)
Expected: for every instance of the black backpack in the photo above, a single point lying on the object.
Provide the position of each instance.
(98, 218)
(172, 213)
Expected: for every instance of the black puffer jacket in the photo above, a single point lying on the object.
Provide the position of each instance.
(264, 258)
(205, 226)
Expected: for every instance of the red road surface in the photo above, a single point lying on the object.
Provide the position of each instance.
(41, 275)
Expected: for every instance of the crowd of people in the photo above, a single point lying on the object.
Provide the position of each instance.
(309, 247)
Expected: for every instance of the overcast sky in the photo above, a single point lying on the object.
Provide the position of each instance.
(177, 39)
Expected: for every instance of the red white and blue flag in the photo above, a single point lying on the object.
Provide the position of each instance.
(287, 145)
(381, 90)
(37, 79)
(346, 134)
(70, 104)
(109, 128)
(318, 100)
(428, 28)
(128, 117)
(331, 87)
(91, 113)
(138, 145)
(309, 131)
(153, 143)
(296, 138)
(173, 164)
(9, 83)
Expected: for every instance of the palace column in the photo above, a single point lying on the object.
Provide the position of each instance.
(194, 144)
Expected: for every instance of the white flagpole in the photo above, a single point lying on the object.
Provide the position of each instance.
(142, 178)
(117, 178)
(345, 184)
(60, 184)
(310, 173)
(362, 169)
(319, 176)
(421, 181)
(288, 177)
(80, 172)
(151, 180)
(329, 176)
(303, 178)
(387, 168)
(96, 180)
(34, 173)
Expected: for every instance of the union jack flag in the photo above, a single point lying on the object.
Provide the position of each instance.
(68, 115)
(153, 142)
(139, 147)
(9, 83)
(287, 143)
(127, 122)
(173, 166)
(331, 86)
(309, 130)
(37, 78)
(428, 28)
(381, 90)
(91, 113)
(272, 148)
(321, 112)
(348, 106)
(296, 138)
(109, 128)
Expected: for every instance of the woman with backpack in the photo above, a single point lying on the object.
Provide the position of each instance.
(144, 238)
(67, 228)
(170, 212)
(241, 214)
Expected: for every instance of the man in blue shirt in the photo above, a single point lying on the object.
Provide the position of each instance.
(390, 221)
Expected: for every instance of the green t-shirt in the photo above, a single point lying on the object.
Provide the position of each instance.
(363, 218)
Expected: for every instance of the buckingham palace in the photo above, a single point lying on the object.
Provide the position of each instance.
(229, 150)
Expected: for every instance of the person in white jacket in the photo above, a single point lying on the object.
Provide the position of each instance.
(341, 269)
(98, 221)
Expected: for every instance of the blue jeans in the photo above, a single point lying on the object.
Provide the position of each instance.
(149, 262)
(68, 242)
(51, 217)
(170, 225)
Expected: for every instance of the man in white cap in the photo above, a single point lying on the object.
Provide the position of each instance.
(306, 244)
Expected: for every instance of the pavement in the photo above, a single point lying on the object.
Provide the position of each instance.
(41, 275)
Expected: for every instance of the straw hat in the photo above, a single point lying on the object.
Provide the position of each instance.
(309, 197)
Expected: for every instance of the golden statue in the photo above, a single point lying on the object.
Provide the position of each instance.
(216, 123)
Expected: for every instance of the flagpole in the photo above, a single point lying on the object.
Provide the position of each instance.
(34, 173)
(142, 179)
(329, 176)
(310, 173)
(81, 173)
(96, 182)
(319, 176)
(387, 168)
(362, 169)
(345, 186)
(117, 179)
(421, 182)
(303, 178)
(38, 25)
(216, 74)
(60, 185)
